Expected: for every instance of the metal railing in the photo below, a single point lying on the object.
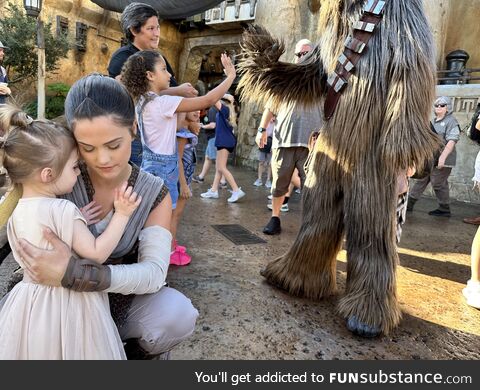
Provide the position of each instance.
(462, 76)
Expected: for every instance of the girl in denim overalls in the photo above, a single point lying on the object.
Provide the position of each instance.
(187, 139)
(146, 77)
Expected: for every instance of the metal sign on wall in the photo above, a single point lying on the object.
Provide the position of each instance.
(167, 9)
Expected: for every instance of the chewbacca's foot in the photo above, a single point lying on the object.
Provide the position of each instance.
(272, 280)
(369, 313)
(361, 329)
(301, 284)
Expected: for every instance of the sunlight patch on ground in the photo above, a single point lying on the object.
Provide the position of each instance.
(436, 300)
(432, 298)
(458, 258)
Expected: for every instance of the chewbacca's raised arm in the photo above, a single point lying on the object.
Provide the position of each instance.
(267, 80)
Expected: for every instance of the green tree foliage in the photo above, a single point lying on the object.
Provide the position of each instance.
(19, 33)
(54, 104)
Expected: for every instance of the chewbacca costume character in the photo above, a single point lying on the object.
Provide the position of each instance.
(379, 129)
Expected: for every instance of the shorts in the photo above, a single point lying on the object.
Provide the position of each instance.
(230, 150)
(211, 150)
(264, 157)
(284, 162)
(166, 167)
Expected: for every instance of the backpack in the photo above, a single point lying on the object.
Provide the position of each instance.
(474, 133)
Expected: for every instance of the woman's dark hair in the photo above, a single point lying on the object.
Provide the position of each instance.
(134, 16)
(134, 71)
(96, 95)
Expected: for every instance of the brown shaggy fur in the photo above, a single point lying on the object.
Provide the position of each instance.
(259, 66)
(380, 127)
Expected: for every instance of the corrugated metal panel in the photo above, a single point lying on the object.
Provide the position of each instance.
(167, 9)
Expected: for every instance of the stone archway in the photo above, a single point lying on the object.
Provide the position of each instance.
(195, 49)
(191, 58)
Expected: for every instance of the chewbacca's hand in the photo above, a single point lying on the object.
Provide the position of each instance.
(259, 46)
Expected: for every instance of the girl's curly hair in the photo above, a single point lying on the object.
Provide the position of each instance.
(134, 71)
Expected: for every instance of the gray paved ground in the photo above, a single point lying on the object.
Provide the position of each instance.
(242, 317)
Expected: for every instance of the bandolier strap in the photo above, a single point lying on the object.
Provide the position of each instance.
(355, 46)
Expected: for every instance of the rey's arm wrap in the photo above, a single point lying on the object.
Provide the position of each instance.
(149, 274)
(86, 275)
(145, 277)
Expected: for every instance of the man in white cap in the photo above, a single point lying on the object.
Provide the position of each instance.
(289, 145)
(4, 90)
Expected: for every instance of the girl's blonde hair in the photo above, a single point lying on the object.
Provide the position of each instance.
(29, 145)
(228, 101)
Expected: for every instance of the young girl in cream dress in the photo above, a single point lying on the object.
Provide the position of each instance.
(43, 322)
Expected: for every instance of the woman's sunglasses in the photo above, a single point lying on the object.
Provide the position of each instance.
(301, 54)
(439, 105)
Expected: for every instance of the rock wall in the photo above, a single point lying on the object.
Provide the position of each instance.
(437, 13)
(455, 26)
(103, 38)
(463, 30)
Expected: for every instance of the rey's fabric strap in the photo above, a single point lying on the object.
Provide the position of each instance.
(355, 46)
(145, 184)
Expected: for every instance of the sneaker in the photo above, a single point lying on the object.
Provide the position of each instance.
(472, 294)
(268, 184)
(223, 185)
(442, 211)
(210, 194)
(269, 197)
(258, 183)
(179, 248)
(198, 179)
(284, 207)
(236, 195)
(179, 258)
(273, 227)
(410, 204)
(472, 221)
